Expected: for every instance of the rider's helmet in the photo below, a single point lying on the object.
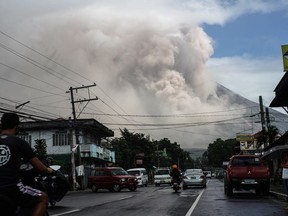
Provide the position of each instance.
(174, 166)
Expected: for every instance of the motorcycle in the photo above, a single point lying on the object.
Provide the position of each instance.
(176, 184)
(8, 206)
(55, 185)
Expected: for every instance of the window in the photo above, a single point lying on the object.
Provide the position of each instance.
(162, 172)
(246, 161)
(118, 172)
(25, 137)
(60, 139)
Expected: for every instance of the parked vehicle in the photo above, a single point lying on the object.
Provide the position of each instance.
(208, 174)
(192, 179)
(111, 178)
(162, 176)
(141, 175)
(246, 172)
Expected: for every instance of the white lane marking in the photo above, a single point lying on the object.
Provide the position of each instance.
(127, 197)
(194, 204)
(68, 212)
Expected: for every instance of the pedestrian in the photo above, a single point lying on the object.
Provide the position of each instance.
(12, 151)
(284, 165)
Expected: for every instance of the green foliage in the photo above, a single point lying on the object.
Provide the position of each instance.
(220, 151)
(268, 136)
(41, 149)
(272, 132)
(161, 153)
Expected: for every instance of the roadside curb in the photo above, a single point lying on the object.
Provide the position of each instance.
(279, 195)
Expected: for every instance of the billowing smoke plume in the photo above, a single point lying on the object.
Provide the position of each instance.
(148, 61)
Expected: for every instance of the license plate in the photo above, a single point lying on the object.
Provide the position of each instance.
(249, 181)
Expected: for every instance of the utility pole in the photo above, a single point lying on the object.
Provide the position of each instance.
(267, 117)
(71, 90)
(262, 119)
(70, 137)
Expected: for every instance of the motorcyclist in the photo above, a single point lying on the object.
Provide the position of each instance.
(175, 174)
(12, 151)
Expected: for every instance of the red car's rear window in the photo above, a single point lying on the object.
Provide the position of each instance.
(246, 161)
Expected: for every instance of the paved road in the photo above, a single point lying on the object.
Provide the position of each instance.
(214, 202)
(163, 201)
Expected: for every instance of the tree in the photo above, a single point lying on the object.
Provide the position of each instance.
(220, 151)
(129, 145)
(268, 136)
(41, 149)
(162, 152)
(272, 132)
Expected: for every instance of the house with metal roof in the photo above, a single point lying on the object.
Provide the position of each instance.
(87, 138)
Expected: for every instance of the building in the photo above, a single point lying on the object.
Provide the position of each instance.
(86, 136)
(274, 151)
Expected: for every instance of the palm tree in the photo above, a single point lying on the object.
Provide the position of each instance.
(271, 133)
(268, 136)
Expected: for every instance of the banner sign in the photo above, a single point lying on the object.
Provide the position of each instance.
(285, 57)
(244, 137)
(246, 142)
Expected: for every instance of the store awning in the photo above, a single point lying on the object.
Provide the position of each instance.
(275, 152)
(281, 92)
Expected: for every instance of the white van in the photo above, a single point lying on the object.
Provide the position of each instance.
(162, 176)
(141, 175)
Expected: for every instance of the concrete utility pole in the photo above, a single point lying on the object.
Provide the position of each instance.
(262, 120)
(71, 90)
(267, 117)
(70, 137)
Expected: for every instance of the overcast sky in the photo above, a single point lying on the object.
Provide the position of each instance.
(154, 62)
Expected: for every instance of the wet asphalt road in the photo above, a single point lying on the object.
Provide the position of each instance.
(163, 201)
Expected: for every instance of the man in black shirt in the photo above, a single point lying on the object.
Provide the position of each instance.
(12, 151)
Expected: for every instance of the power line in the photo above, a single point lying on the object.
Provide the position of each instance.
(30, 76)
(61, 65)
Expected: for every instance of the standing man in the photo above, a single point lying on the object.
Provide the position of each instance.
(12, 151)
(284, 165)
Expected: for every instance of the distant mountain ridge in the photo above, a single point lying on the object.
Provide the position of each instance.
(252, 126)
(277, 118)
(195, 152)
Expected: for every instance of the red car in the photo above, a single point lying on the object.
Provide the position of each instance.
(246, 172)
(111, 178)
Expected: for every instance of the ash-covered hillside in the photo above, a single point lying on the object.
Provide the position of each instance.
(278, 119)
